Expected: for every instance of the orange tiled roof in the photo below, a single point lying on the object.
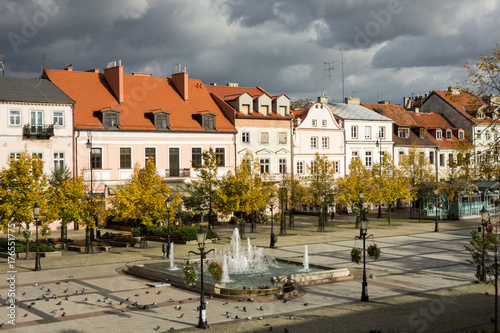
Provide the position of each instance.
(433, 121)
(394, 111)
(142, 95)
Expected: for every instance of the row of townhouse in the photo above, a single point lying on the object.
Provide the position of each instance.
(107, 121)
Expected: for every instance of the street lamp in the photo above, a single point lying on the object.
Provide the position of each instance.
(436, 225)
(36, 213)
(201, 236)
(273, 236)
(379, 145)
(484, 222)
(361, 212)
(88, 243)
(168, 204)
(363, 228)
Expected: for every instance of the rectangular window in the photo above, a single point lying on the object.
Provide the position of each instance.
(39, 155)
(96, 158)
(323, 123)
(314, 142)
(209, 123)
(161, 121)
(431, 157)
(324, 142)
(300, 167)
(401, 156)
(368, 132)
(450, 158)
(282, 138)
(173, 162)
(264, 165)
(354, 132)
(149, 153)
(15, 117)
(58, 160)
(245, 137)
(439, 135)
(282, 165)
(381, 132)
(368, 159)
(196, 159)
(282, 110)
(355, 154)
(245, 108)
(264, 109)
(381, 157)
(441, 159)
(448, 135)
(58, 118)
(461, 135)
(125, 158)
(110, 119)
(403, 132)
(337, 166)
(15, 155)
(314, 123)
(36, 118)
(220, 154)
(264, 137)
(422, 133)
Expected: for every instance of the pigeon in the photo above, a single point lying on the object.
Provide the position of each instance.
(236, 317)
(59, 303)
(136, 295)
(249, 318)
(285, 300)
(24, 293)
(66, 298)
(58, 282)
(177, 307)
(182, 315)
(127, 299)
(261, 308)
(171, 329)
(251, 300)
(291, 317)
(36, 284)
(225, 303)
(170, 300)
(260, 318)
(285, 330)
(306, 304)
(2, 324)
(159, 292)
(63, 314)
(245, 308)
(124, 310)
(26, 315)
(181, 302)
(86, 299)
(237, 307)
(121, 302)
(65, 290)
(154, 303)
(71, 276)
(147, 292)
(156, 328)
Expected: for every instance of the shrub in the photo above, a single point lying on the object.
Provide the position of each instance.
(234, 220)
(125, 239)
(356, 255)
(189, 276)
(188, 233)
(215, 269)
(82, 243)
(374, 251)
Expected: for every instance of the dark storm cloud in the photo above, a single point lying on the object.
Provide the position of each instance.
(392, 45)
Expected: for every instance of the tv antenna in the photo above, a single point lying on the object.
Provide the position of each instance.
(329, 68)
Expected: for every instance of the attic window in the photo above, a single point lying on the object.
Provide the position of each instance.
(110, 119)
(460, 135)
(422, 133)
(162, 121)
(448, 135)
(403, 132)
(209, 122)
(439, 135)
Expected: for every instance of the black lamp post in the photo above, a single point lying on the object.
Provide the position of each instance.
(363, 228)
(484, 222)
(36, 214)
(361, 212)
(273, 236)
(88, 244)
(379, 144)
(168, 203)
(436, 225)
(201, 235)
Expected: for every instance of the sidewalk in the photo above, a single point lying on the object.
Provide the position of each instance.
(418, 269)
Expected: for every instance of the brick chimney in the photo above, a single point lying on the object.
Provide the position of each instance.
(114, 76)
(180, 80)
(323, 99)
(352, 100)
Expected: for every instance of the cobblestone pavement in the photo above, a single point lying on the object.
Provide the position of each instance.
(422, 282)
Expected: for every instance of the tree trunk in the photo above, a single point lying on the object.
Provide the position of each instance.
(64, 233)
(291, 219)
(419, 210)
(27, 248)
(389, 208)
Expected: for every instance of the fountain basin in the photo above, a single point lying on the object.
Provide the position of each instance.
(280, 286)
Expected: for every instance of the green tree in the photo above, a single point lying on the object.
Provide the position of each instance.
(484, 252)
(203, 190)
(422, 176)
(391, 183)
(23, 184)
(321, 186)
(141, 198)
(296, 193)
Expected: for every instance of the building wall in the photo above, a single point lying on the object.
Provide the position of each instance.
(13, 142)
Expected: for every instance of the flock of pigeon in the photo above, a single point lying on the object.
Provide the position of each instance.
(85, 297)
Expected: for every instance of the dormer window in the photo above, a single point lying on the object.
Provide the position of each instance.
(110, 118)
(439, 135)
(209, 122)
(460, 135)
(162, 121)
(448, 135)
(422, 133)
(403, 132)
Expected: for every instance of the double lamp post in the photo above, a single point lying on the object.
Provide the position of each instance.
(36, 214)
(363, 231)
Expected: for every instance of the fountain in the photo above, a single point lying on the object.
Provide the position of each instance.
(246, 272)
(306, 259)
(172, 265)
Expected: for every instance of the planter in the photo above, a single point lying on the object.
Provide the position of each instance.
(76, 248)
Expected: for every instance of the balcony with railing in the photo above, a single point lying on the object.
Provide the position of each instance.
(38, 131)
(178, 173)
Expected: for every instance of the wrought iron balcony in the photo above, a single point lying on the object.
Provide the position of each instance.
(183, 173)
(38, 131)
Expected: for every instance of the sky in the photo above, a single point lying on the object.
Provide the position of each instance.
(374, 49)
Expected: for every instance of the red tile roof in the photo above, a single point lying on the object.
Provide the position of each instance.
(394, 111)
(142, 95)
(432, 122)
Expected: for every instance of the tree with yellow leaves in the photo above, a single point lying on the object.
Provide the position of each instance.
(142, 198)
(321, 186)
(358, 179)
(391, 184)
(22, 184)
